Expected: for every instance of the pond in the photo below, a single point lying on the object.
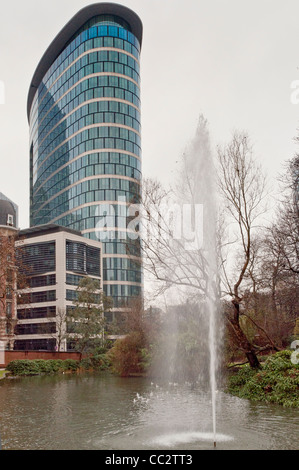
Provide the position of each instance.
(101, 411)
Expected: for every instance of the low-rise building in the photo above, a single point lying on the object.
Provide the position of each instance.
(54, 259)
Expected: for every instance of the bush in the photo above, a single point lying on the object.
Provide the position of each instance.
(279, 361)
(277, 381)
(128, 355)
(70, 364)
(24, 367)
(96, 362)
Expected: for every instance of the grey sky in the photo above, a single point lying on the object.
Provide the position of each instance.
(232, 60)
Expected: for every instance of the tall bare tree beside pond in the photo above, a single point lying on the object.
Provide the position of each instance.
(243, 187)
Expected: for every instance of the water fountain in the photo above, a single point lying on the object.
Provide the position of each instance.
(199, 322)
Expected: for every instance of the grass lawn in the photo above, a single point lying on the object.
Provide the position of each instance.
(2, 374)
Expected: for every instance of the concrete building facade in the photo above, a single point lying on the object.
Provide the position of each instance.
(55, 260)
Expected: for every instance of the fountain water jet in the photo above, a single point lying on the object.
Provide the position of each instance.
(199, 163)
(196, 187)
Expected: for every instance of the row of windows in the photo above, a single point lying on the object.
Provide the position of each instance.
(83, 143)
(87, 223)
(85, 213)
(107, 20)
(112, 31)
(47, 344)
(61, 132)
(35, 328)
(39, 281)
(99, 106)
(103, 20)
(119, 290)
(93, 164)
(89, 186)
(120, 263)
(72, 295)
(122, 275)
(74, 279)
(117, 247)
(120, 302)
(50, 212)
(93, 57)
(95, 68)
(37, 312)
(82, 258)
(38, 258)
(83, 45)
(36, 297)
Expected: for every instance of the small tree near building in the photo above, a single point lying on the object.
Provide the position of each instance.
(85, 322)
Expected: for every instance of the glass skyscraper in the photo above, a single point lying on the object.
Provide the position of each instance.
(85, 146)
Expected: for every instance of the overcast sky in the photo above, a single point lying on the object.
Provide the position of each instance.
(232, 60)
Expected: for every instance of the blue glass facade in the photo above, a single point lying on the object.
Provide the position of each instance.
(85, 144)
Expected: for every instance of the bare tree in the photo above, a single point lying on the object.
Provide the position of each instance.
(179, 236)
(177, 259)
(285, 230)
(242, 186)
(60, 333)
(12, 278)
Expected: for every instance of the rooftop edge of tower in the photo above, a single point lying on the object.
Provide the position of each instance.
(83, 15)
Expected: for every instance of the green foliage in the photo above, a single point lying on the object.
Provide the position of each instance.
(96, 362)
(279, 362)
(23, 367)
(70, 365)
(132, 354)
(277, 381)
(85, 323)
(128, 355)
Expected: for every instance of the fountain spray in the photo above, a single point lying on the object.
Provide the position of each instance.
(200, 161)
(212, 347)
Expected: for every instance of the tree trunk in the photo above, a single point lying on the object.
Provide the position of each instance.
(242, 340)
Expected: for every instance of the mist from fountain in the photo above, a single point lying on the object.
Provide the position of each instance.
(192, 334)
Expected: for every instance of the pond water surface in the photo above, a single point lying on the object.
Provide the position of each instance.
(105, 412)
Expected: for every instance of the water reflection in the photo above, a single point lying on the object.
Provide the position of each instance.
(106, 412)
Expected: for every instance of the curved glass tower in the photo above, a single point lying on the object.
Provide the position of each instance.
(85, 146)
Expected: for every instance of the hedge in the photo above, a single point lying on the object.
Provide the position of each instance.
(23, 367)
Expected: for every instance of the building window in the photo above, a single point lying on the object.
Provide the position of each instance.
(39, 281)
(82, 258)
(38, 258)
(36, 297)
(38, 312)
(35, 328)
(8, 309)
(35, 345)
(10, 220)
